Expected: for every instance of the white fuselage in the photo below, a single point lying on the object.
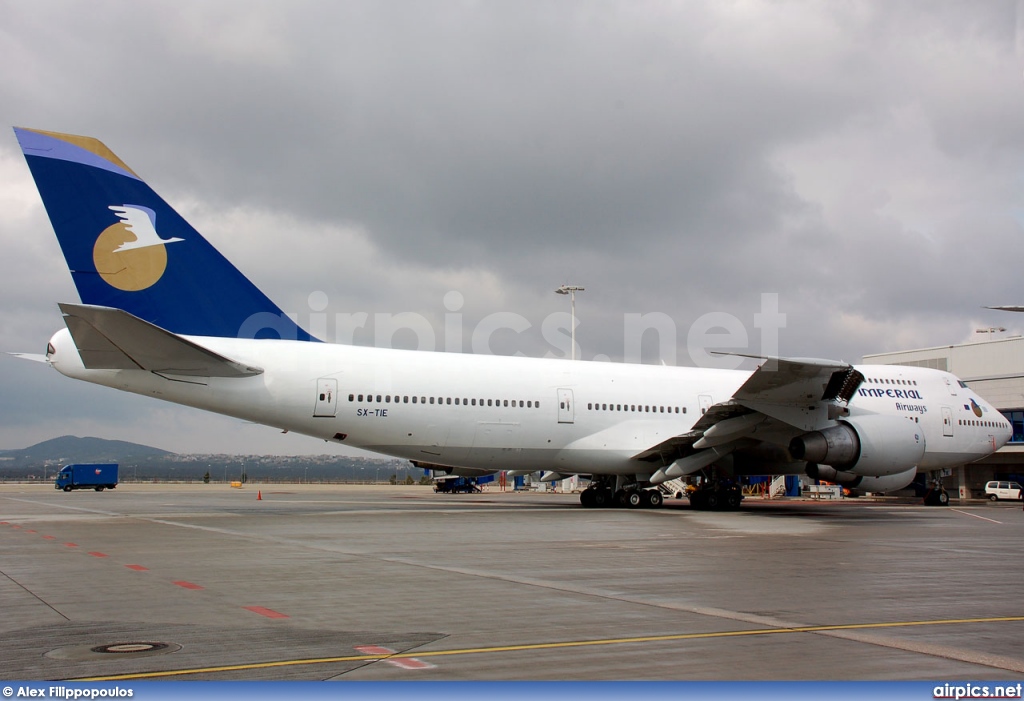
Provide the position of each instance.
(495, 412)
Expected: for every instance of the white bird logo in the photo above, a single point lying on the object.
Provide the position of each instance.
(140, 221)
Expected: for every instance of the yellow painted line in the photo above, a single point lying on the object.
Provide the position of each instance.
(547, 646)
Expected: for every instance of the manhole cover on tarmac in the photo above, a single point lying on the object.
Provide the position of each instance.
(130, 648)
(133, 649)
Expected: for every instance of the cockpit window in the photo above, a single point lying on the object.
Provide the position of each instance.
(50, 350)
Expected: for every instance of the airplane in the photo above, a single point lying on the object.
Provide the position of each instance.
(163, 314)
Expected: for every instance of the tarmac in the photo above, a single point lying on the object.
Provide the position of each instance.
(333, 582)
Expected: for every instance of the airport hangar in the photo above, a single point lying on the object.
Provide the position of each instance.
(995, 370)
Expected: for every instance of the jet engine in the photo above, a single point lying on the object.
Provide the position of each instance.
(889, 483)
(873, 445)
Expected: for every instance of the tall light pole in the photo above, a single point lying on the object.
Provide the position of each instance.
(571, 290)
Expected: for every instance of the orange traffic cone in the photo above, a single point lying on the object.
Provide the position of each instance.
(259, 495)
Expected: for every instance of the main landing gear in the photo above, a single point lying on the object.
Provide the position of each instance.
(716, 496)
(603, 493)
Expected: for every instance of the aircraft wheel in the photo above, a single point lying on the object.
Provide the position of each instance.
(943, 499)
(587, 498)
(732, 500)
(712, 501)
(697, 500)
(634, 499)
(653, 498)
(602, 498)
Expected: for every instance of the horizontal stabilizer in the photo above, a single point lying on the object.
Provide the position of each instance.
(113, 339)
(37, 357)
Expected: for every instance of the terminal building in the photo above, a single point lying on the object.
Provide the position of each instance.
(995, 370)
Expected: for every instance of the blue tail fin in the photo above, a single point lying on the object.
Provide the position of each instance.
(126, 248)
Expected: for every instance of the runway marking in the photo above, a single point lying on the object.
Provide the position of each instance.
(187, 585)
(967, 513)
(97, 554)
(400, 662)
(562, 645)
(71, 545)
(49, 537)
(137, 568)
(263, 611)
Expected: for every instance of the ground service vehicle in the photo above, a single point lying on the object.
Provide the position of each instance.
(87, 476)
(1002, 490)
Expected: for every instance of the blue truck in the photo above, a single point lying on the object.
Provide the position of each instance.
(88, 476)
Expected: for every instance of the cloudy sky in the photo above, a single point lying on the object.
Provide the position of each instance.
(857, 164)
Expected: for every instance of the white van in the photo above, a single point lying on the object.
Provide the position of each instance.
(1002, 490)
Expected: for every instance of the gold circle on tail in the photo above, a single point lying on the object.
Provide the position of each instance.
(131, 270)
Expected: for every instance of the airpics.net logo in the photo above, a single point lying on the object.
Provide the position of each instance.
(130, 255)
(978, 691)
(714, 331)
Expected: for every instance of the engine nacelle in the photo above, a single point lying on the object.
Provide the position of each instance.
(889, 483)
(873, 445)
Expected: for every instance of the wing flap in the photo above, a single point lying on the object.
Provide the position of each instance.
(113, 339)
(795, 394)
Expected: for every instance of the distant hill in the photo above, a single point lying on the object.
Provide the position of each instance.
(143, 463)
(72, 449)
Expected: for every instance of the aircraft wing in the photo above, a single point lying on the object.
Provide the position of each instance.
(783, 398)
(113, 339)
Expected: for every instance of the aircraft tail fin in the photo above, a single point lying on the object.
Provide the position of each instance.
(128, 249)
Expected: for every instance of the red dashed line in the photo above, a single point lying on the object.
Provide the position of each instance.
(188, 585)
(15, 526)
(269, 613)
(137, 568)
(29, 530)
(49, 537)
(71, 545)
(96, 554)
(401, 662)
